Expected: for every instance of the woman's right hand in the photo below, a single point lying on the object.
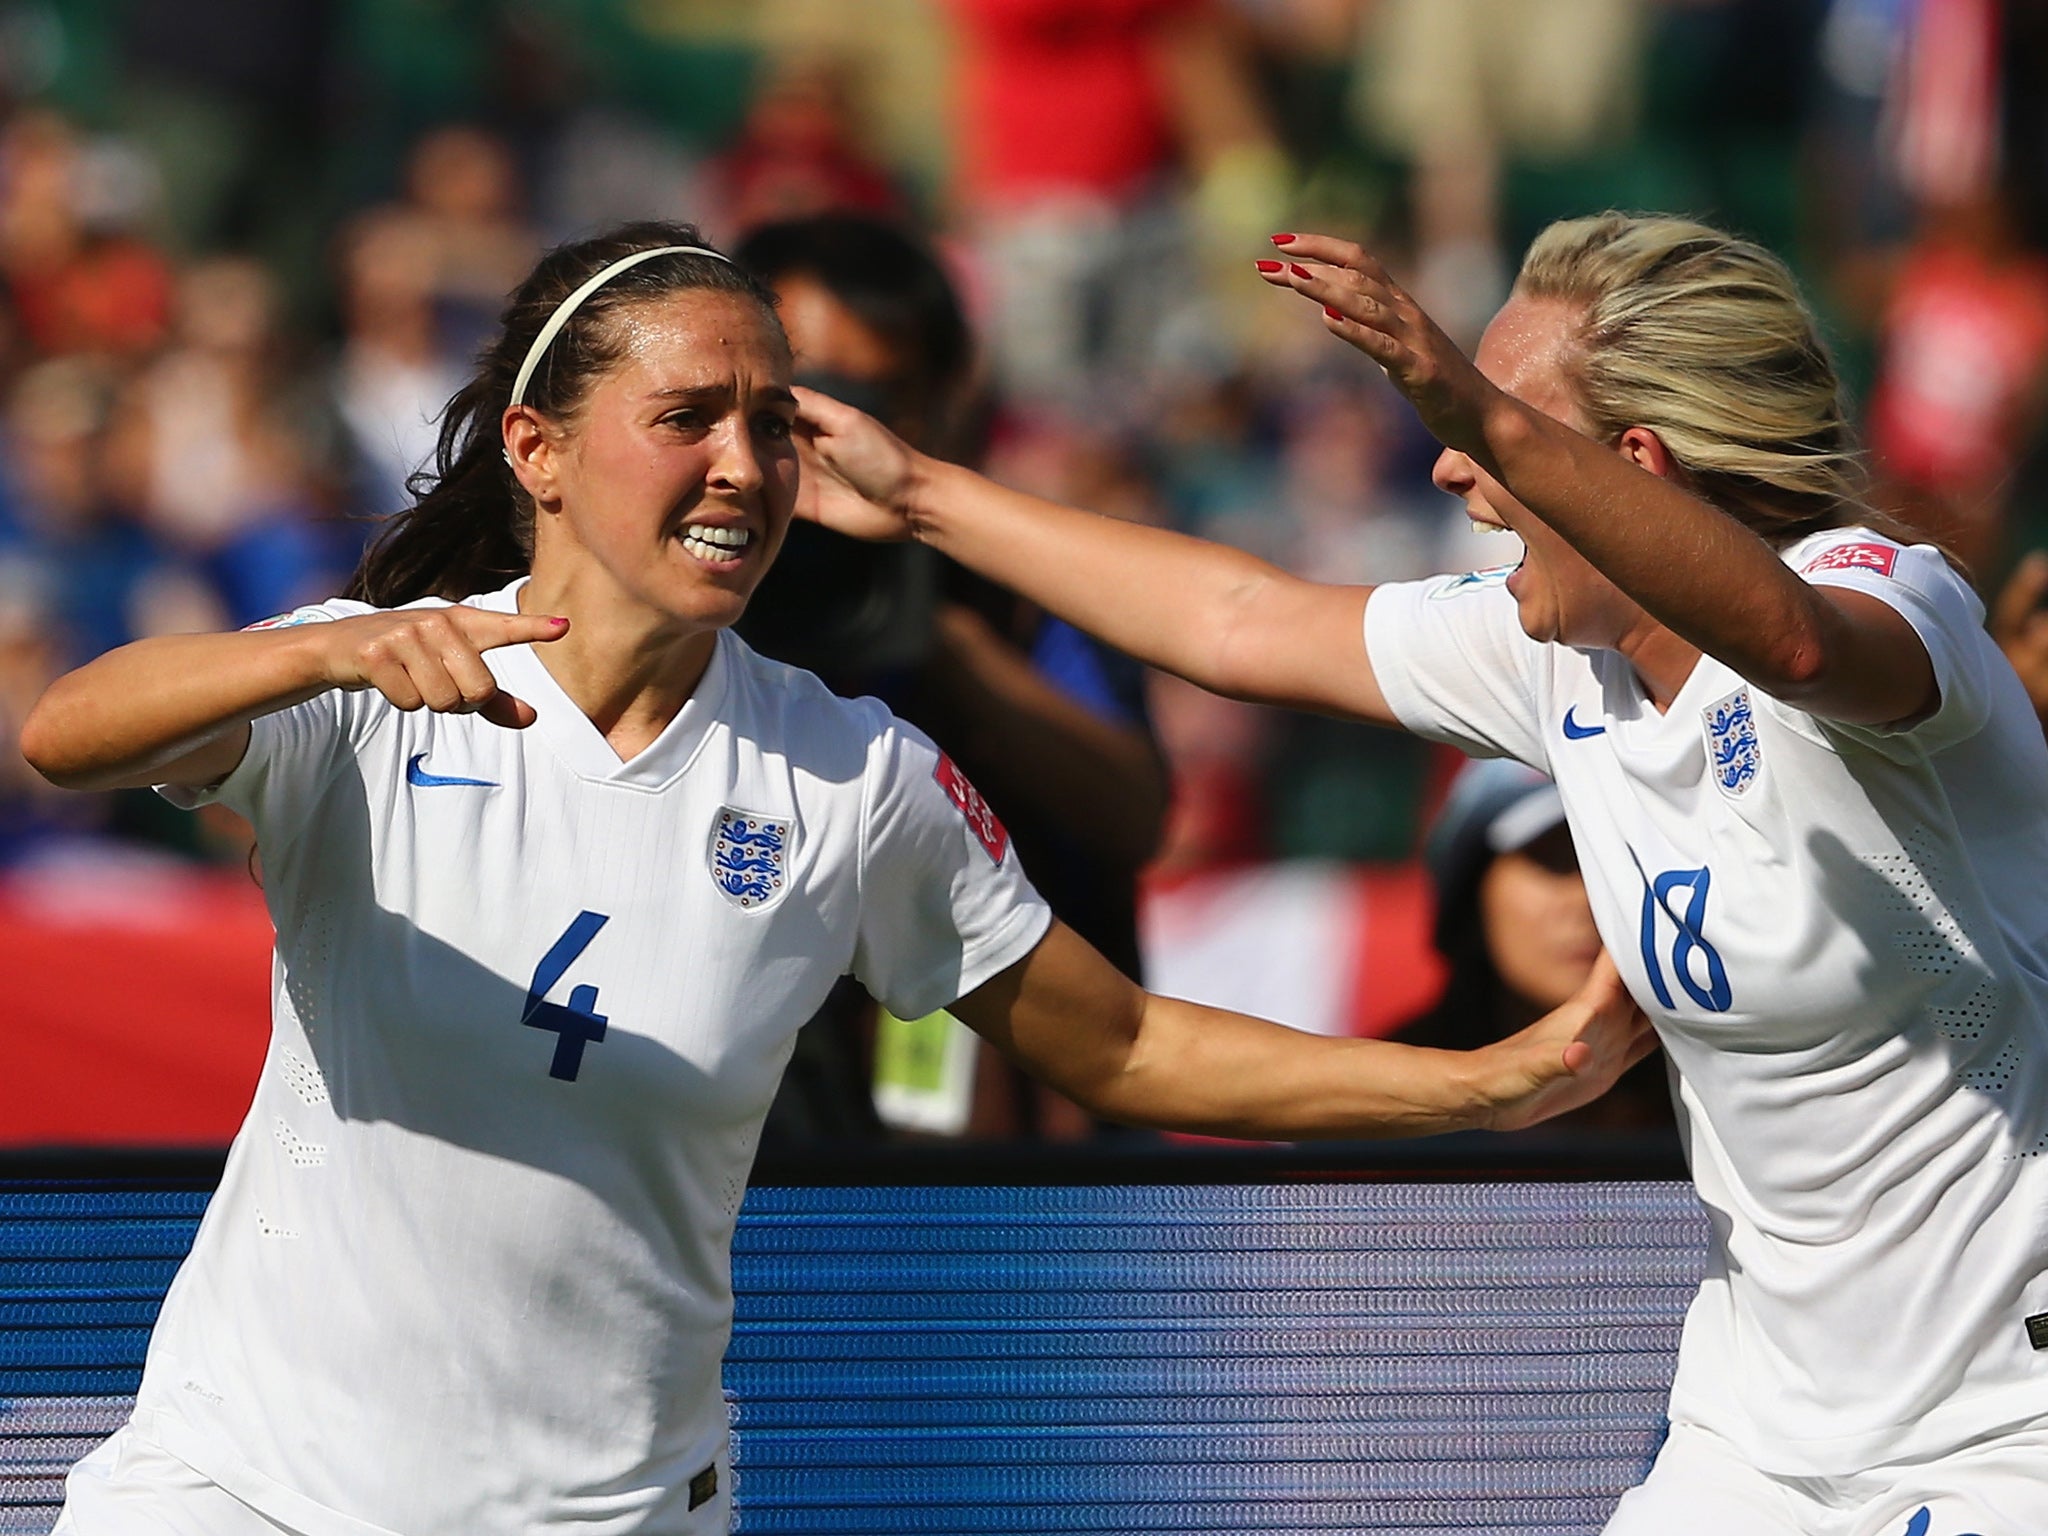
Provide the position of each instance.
(432, 658)
(858, 476)
(1364, 306)
(1570, 1056)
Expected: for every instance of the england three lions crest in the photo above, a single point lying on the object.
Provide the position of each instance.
(1734, 757)
(749, 857)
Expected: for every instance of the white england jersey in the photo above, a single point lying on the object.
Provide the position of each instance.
(1841, 934)
(468, 1269)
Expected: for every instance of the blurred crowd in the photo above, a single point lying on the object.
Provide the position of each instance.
(248, 246)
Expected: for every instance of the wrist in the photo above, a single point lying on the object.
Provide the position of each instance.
(317, 656)
(1508, 429)
(925, 495)
(1475, 1082)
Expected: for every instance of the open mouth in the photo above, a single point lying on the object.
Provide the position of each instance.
(715, 545)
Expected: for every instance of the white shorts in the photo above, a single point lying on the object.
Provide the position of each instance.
(1700, 1486)
(127, 1487)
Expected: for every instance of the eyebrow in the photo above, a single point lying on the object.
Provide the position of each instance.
(777, 394)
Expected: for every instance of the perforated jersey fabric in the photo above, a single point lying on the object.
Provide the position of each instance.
(1841, 935)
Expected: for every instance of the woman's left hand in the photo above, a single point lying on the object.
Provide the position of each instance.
(1364, 306)
(857, 474)
(1569, 1057)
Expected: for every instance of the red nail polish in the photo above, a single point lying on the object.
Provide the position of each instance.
(1299, 270)
(1267, 266)
(1282, 239)
(1331, 313)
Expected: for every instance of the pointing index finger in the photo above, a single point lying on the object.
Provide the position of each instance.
(487, 630)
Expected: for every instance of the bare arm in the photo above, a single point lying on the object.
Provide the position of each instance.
(176, 709)
(1841, 655)
(1216, 616)
(1067, 1016)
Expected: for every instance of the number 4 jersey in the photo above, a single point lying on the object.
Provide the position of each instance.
(1842, 936)
(468, 1268)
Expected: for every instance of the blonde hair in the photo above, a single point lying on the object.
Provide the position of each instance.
(1705, 340)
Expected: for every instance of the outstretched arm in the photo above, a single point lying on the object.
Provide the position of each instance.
(1214, 615)
(1838, 654)
(1065, 1014)
(176, 709)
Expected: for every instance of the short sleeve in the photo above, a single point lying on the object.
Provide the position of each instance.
(945, 904)
(1918, 582)
(1450, 656)
(293, 753)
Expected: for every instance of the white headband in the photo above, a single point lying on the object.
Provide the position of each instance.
(571, 304)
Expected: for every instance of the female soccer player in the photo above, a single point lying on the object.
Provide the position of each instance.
(557, 871)
(1809, 798)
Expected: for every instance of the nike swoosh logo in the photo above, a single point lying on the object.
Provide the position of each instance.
(1576, 732)
(418, 776)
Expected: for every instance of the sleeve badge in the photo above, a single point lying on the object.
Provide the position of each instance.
(981, 821)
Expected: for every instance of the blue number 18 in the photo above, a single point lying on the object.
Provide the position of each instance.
(1657, 898)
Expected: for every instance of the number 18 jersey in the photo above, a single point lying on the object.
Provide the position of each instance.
(1842, 936)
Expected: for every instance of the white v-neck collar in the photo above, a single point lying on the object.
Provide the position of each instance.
(1636, 721)
(569, 732)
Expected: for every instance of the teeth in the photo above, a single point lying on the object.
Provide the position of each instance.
(715, 543)
(1479, 527)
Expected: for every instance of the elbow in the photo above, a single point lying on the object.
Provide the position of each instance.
(1797, 662)
(49, 748)
(1233, 664)
(42, 745)
(1798, 671)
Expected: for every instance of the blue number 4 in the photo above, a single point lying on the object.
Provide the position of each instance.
(1657, 894)
(580, 1023)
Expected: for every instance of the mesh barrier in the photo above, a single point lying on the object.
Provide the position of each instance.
(1481, 1358)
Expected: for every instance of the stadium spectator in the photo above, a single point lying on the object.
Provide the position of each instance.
(468, 1267)
(1963, 373)
(801, 152)
(1809, 796)
(1051, 725)
(394, 371)
(1515, 929)
(33, 816)
(78, 278)
(1078, 120)
(210, 444)
(104, 573)
(1460, 89)
(463, 186)
(2019, 622)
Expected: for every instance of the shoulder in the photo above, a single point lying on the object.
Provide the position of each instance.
(1883, 564)
(791, 711)
(314, 613)
(327, 611)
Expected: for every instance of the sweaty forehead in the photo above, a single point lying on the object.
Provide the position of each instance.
(1524, 352)
(699, 336)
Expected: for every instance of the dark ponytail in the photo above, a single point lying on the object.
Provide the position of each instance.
(470, 527)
